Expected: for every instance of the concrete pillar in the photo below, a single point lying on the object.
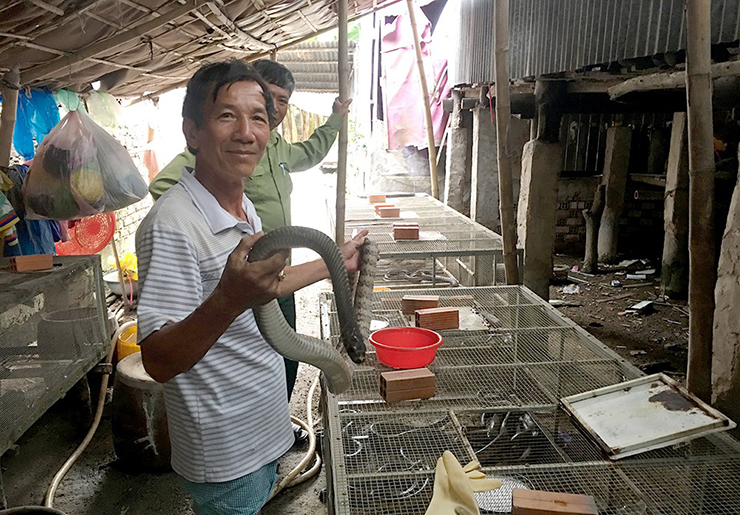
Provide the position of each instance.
(726, 330)
(674, 279)
(616, 163)
(459, 148)
(484, 199)
(541, 165)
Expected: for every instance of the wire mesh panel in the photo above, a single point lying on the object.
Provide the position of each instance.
(469, 251)
(52, 331)
(498, 385)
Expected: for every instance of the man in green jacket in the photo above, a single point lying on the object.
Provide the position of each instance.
(270, 186)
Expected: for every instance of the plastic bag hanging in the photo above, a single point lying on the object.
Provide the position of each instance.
(80, 170)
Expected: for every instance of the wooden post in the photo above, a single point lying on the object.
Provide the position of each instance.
(343, 135)
(425, 99)
(702, 268)
(10, 86)
(674, 273)
(503, 113)
(593, 221)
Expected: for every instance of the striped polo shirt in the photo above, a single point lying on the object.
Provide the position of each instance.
(228, 415)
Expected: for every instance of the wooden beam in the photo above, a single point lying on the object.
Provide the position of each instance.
(44, 70)
(343, 131)
(503, 115)
(669, 81)
(10, 86)
(702, 267)
(425, 100)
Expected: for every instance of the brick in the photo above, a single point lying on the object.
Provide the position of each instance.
(533, 502)
(412, 379)
(573, 205)
(410, 303)
(574, 221)
(561, 229)
(378, 207)
(581, 205)
(389, 212)
(376, 198)
(405, 233)
(571, 238)
(31, 262)
(438, 318)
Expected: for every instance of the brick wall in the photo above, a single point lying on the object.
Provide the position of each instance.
(640, 227)
(574, 195)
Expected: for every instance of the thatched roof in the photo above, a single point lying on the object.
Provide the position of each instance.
(137, 47)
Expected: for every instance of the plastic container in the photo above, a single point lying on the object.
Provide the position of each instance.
(127, 343)
(406, 347)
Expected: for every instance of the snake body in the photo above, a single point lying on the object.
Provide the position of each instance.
(298, 347)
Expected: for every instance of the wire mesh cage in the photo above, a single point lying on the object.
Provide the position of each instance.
(52, 331)
(461, 249)
(499, 380)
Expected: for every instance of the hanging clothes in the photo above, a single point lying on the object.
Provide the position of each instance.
(36, 115)
(402, 99)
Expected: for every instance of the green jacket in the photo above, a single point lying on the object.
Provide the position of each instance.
(270, 186)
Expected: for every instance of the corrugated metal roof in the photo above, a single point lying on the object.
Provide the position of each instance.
(550, 36)
(314, 65)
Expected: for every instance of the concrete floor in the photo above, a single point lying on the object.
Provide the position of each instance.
(96, 485)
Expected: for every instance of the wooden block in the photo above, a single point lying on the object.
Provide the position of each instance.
(406, 233)
(410, 303)
(533, 502)
(32, 262)
(405, 395)
(389, 212)
(438, 318)
(413, 379)
(376, 198)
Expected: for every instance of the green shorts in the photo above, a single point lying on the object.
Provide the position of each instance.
(245, 495)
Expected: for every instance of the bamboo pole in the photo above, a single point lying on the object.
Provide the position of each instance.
(343, 132)
(503, 114)
(425, 97)
(10, 86)
(702, 268)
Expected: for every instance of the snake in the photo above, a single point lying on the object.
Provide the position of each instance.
(353, 304)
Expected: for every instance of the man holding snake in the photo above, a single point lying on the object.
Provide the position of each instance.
(227, 405)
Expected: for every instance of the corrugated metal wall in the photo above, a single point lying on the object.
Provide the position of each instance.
(549, 36)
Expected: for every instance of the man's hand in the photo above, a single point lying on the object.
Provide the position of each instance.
(352, 256)
(340, 107)
(244, 284)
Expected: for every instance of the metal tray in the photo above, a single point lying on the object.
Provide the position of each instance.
(643, 414)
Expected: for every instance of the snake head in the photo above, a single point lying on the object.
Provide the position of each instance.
(355, 346)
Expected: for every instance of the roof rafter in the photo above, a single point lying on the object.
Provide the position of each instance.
(38, 72)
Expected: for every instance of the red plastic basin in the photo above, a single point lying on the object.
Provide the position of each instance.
(406, 347)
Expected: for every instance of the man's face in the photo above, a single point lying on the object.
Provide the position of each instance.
(234, 131)
(281, 99)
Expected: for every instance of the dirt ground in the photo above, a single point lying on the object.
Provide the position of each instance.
(655, 341)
